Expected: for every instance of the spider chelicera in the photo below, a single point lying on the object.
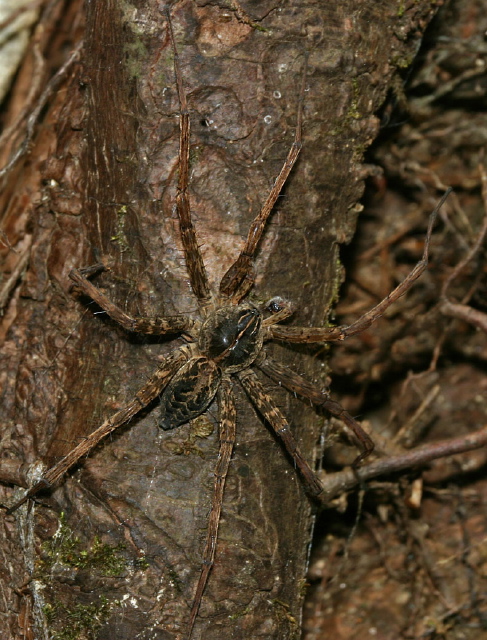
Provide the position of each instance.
(225, 341)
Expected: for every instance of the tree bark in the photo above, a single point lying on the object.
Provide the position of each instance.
(99, 183)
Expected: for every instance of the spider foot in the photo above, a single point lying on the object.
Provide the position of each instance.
(39, 486)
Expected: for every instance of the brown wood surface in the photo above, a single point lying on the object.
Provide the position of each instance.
(98, 183)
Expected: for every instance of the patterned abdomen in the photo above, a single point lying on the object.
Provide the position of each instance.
(190, 392)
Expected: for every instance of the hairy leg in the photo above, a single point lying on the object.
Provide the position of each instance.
(333, 334)
(148, 325)
(228, 421)
(266, 406)
(142, 398)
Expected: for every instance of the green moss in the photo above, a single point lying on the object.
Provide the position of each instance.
(64, 548)
(135, 55)
(65, 554)
(135, 51)
(141, 564)
(354, 112)
(402, 62)
(282, 613)
(200, 427)
(240, 614)
(195, 154)
(78, 622)
(120, 238)
(303, 587)
(174, 581)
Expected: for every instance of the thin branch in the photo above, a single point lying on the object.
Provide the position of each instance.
(336, 483)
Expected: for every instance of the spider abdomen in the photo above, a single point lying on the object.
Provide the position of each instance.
(189, 392)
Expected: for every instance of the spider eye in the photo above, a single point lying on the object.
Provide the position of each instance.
(275, 305)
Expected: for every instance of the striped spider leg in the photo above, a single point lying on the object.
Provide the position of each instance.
(295, 383)
(310, 335)
(149, 392)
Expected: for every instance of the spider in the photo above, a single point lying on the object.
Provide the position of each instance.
(223, 343)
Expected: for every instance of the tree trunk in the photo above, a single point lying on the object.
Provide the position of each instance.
(98, 184)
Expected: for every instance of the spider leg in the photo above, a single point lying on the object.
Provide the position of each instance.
(192, 254)
(268, 409)
(149, 325)
(302, 387)
(332, 334)
(142, 398)
(239, 278)
(228, 419)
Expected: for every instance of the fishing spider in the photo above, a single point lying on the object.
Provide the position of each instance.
(223, 342)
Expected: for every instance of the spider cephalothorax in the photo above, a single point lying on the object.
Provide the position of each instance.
(232, 336)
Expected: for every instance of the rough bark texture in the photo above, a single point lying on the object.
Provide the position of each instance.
(99, 184)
